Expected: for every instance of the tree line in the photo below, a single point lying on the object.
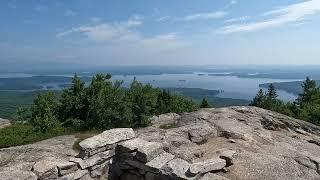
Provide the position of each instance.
(305, 107)
(105, 104)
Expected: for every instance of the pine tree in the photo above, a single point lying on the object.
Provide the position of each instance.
(72, 102)
(309, 90)
(272, 93)
(205, 103)
(259, 99)
(271, 98)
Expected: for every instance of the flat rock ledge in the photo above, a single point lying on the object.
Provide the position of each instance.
(216, 144)
(117, 154)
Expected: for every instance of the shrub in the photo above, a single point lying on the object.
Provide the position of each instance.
(44, 110)
(22, 133)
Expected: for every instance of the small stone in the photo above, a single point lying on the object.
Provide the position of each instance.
(228, 156)
(207, 166)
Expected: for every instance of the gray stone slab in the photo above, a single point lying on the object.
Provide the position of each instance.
(100, 142)
(94, 160)
(207, 166)
(160, 160)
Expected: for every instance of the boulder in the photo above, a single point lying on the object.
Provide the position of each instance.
(228, 155)
(149, 151)
(177, 168)
(160, 160)
(207, 166)
(94, 160)
(130, 145)
(47, 168)
(145, 151)
(199, 133)
(101, 142)
(66, 168)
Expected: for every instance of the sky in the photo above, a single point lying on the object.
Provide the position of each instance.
(162, 32)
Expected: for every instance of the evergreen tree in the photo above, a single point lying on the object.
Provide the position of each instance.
(73, 103)
(259, 99)
(205, 103)
(271, 101)
(309, 91)
(164, 101)
(272, 93)
(143, 100)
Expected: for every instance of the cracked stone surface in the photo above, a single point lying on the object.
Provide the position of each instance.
(253, 143)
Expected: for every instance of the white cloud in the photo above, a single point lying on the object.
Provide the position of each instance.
(135, 20)
(205, 16)
(122, 35)
(233, 2)
(162, 42)
(239, 19)
(70, 12)
(290, 14)
(163, 18)
(103, 32)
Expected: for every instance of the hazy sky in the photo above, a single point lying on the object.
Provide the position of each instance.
(150, 32)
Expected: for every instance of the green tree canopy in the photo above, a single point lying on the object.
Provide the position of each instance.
(205, 103)
(44, 112)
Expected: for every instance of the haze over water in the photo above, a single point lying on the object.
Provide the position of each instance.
(230, 86)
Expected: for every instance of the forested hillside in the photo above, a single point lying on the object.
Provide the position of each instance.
(306, 106)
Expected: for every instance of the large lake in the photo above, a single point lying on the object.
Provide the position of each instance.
(231, 86)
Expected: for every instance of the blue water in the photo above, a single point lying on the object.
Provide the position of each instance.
(231, 86)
